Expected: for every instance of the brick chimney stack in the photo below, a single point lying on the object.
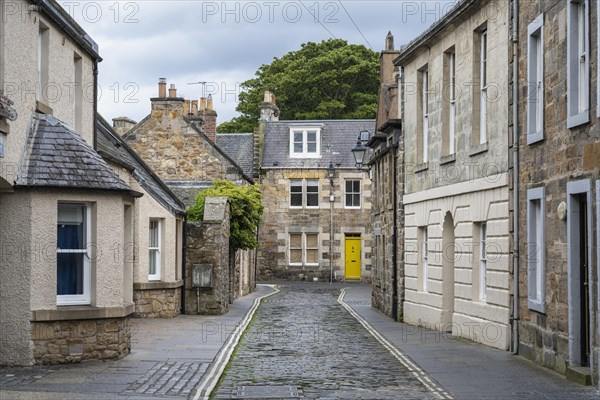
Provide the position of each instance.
(162, 87)
(162, 103)
(194, 107)
(268, 109)
(389, 41)
(209, 118)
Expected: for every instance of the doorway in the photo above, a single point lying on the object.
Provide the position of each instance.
(447, 273)
(352, 247)
(579, 258)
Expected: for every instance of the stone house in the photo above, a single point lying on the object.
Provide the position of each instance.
(313, 227)
(64, 211)
(386, 164)
(558, 188)
(158, 220)
(455, 127)
(178, 141)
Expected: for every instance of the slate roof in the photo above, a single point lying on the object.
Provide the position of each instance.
(56, 156)
(240, 148)
(113, 148)
(338, 137)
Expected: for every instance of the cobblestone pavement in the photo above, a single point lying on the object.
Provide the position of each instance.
(303, 344)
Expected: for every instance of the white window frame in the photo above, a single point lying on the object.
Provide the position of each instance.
(482, 261)
(303, 248)
(85, 298)
(578, 63)
(452, 105)
(425, 112)
(483, 38)
(598, 78)
(353, 193)
(425, 258)
(535, 80)
(157, 274)
(536, 250)
(304, 193)
(305, 153)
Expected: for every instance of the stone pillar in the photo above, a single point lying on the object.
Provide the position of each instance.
(208, 244)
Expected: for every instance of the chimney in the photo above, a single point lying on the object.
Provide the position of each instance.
(268, 110)
(389, 42)
(172, 104)
(122, 125)
(162, 87)
(209, 118)
(186, 108)
(172, 91)
(194, 107)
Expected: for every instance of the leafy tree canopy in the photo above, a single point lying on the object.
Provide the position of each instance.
(327, 80)
(246, 211)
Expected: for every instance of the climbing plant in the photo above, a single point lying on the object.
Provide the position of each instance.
(246, 211)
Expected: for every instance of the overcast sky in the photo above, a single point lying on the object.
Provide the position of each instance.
(223, 43)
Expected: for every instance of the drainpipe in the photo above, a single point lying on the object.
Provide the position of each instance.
(95, 106)
(515, 40)
(184, 228)
(395, 208)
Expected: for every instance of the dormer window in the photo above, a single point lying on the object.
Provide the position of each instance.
(305, 142)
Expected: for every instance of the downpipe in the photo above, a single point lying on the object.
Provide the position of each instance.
(515, 93)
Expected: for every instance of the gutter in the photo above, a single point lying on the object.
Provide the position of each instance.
(95, 129)
(515, 41)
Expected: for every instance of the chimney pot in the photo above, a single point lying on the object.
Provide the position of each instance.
(186, 108)
(172, 91)
(209, 102)
(389, 41)
(202, 103)
(194, 107)
(162, 87)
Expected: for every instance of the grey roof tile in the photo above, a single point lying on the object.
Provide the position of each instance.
(240, 148)
(338, 137)
(114, 148)
(56, 156)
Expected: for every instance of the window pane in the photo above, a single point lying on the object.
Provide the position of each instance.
(312, 199)
(296, 256)
(312, 256)
(297, 147)
(311, 147)
(311, 136)
(349, 200)
(153, 258)
(296, 199)
(312, 240)
(297, 137)
(296, 186)
(71, 228)
(69, 273)
(295, 241)
(356, 200)
(154, 234)
(356, 186)
(348, 186)
(312, 186)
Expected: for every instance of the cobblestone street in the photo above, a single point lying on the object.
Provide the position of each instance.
(303, 343)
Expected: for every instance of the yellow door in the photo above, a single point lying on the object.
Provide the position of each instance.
(352, 258)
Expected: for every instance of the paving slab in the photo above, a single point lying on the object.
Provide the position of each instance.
(168, 360)
(467, 370)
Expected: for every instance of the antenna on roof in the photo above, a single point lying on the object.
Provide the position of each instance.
(203, 83)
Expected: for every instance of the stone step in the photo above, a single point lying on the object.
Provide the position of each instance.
(580, 375)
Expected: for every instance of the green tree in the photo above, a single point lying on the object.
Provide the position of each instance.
(246, 211)
(327, 80)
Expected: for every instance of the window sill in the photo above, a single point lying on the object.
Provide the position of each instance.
(66, 313)
(535, 137)
(536, 306)
(422, 167)
(450, 158)
(479, 149)
(155, 285)
(573, 121)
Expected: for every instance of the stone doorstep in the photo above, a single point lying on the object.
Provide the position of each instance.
(580, 375)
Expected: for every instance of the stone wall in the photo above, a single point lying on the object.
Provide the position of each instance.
(59, 342)
(175, 150)
(563, 155)
(279, 220)
(157, 303)
(208, 243)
